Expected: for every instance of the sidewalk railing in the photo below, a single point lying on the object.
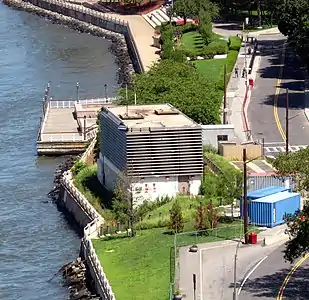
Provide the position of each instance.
(91, 230)
(71, 103)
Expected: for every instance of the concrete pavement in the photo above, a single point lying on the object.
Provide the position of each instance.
(274, 278)
(213, 265)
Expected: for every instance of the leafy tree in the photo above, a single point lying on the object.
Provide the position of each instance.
(191, 8)
(212, 215)
(293, 21)
(296, 164)
(205, 26)
(181, 85)
(200, 218)
(298, 230)
(176, 223)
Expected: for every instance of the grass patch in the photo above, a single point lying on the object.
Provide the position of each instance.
(160, 216)
(214, 68)
(88, 184)
(139, 268)
(220, 162)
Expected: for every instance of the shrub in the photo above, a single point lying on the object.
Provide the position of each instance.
(234, 43)
(188, 28)
(77, 167)
(219, 46)
(176, 222)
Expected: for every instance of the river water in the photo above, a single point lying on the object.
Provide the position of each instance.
(35, 238)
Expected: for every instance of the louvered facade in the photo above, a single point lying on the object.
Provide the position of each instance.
(162, 153)
(165, 152)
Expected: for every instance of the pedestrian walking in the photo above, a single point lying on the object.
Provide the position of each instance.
(236, 71)
(244, 73)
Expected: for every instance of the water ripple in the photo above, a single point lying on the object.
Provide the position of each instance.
(35, 238)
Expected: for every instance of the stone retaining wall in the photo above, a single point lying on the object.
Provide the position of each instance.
(86, 215)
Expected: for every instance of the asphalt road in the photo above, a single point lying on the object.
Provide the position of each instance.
(266, 111)
(266, 281)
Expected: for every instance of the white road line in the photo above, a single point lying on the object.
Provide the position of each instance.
(281, 149)
(274, 143)
(250, 273)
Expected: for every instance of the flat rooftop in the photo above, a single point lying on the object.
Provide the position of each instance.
(151, 116)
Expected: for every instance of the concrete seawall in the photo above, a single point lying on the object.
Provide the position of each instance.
(88, 218)
(87, 20)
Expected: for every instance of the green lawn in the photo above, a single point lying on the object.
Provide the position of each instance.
(214, 68)
(193, 40)
(139, 268)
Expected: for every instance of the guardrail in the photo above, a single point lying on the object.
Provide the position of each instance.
(68, 137)
(91, 230)
(71, 103)
(43, 122)
(126, 30)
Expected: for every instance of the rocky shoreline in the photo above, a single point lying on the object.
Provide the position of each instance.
(118, 46)
(75, 278)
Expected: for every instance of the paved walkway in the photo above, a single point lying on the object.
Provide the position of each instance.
(213, 265)
(142, 33)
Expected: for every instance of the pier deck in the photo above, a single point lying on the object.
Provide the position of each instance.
(68, 126)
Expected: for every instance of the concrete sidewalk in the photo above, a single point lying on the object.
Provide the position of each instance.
(213, 265)
(236, 93)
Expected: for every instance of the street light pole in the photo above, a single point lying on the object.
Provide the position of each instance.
(245, 200)
(77, 92)
(224, 99)
(105, 91)
(287, 122)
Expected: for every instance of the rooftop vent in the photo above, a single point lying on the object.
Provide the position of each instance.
(131, 116)
(170, 111)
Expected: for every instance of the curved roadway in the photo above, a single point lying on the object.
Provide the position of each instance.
(266, 110)
(277, 279)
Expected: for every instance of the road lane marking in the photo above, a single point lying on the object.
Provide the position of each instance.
(249, 274)
(290, 274)
(277, 94)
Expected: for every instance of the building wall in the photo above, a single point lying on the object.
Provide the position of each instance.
(165, 151)
(211, 133)
(113, 140)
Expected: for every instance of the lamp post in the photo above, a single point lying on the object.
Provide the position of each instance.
(77, 92)
(105, 91)
(235, 268)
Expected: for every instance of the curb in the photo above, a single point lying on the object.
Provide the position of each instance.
(306, 91)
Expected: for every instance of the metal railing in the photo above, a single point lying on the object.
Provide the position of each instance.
(71, 103)
(91, 230)
(68, 137)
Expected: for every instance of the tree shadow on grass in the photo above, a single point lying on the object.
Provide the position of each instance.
(269, 285)
(198, 42)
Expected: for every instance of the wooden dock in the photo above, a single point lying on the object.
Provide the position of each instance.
(66, 127)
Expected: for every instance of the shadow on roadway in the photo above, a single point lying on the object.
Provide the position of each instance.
(293, 69)
(296, 99)
(269, 285)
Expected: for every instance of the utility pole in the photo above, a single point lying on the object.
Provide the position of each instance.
(224, 99)
(245, 200)
(287, 122)
(77, 92)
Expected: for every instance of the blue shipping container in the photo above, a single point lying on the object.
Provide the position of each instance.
(270, 211)
(262, 193)
(270, 190)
